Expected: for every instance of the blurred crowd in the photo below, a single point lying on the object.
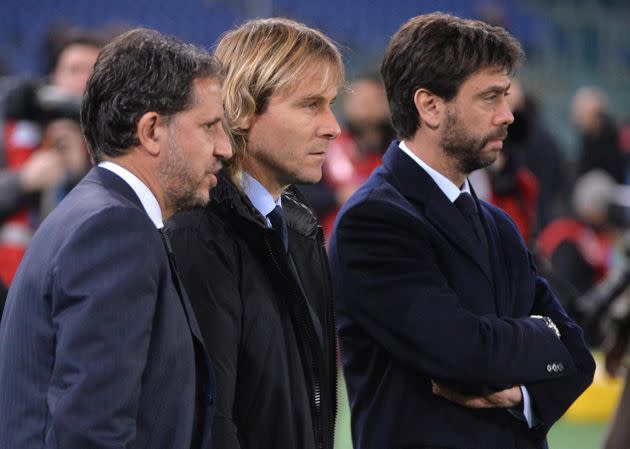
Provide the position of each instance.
(573, 212)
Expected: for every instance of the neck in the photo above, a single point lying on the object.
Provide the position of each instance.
(268, 181)
(147, 174)
(435, 157)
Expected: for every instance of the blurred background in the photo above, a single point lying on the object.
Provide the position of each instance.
(563, 175)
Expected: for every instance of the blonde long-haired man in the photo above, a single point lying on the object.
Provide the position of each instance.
(253, 261)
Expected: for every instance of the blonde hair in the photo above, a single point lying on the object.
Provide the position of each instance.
(261, 57)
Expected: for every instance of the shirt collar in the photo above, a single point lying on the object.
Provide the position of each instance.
(148, 200)
(259, 196)
(446, 185)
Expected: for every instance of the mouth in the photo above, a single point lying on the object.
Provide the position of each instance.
(212, 175)
(318, 153)
(497, 140)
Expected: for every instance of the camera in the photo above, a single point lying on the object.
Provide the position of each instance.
(593, 306)
(40, 103)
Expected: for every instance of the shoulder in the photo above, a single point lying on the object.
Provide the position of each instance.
(378, 197)
(122, 224)
(505, 225)
(206, 224)
(204, 236)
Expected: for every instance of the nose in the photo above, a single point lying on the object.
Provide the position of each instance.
(223, 146)
(504, 114)
(329, 127)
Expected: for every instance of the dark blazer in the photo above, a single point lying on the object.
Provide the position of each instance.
(417, 300)
(96, 346)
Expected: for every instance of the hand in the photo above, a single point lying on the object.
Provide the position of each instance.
(510, 397)
(44, 169)
(65, 137)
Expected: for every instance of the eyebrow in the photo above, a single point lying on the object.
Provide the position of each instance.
(495, 89)
(214, 121)
(315, 97)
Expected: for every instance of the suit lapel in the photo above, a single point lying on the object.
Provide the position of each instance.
(112, 182)
(502, 296)
(420, 189)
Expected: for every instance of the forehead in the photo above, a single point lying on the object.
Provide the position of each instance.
(206, 93)
(484, 79)
(316, 78)
(78, 53)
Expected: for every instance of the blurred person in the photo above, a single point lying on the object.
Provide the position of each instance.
(617, 363)
(3, 296)
(44, 151)
(541, 154)
(579, 246)
(529, 178)
(511, 186)
(253, 261)
(359, 148)
(357, 151)
(115, 357)
(590, 112)
(449, 338)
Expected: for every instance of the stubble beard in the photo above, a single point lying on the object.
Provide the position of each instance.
(465, 148)
(180, 184)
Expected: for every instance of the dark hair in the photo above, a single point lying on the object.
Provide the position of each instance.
(439, 52)
(61, 36)
(140, 71)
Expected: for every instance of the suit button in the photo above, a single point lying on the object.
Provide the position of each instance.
(560, 367)
(209, 399)
(549, 368)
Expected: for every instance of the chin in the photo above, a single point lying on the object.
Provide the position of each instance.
(311, 177)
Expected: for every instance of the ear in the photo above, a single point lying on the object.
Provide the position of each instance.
(429, 107)
(151, 132)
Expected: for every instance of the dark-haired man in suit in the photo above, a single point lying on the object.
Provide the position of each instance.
(449, 338)
(100, 348)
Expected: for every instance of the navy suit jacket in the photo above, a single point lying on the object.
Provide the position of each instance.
(416, 300)
(97, 348)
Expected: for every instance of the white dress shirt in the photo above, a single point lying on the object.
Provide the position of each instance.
(259, 196)
(148, 200)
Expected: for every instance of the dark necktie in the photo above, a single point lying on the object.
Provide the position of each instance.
(279, 224)
(466, 204)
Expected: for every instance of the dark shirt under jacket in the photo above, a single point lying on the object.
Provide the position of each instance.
(276, 384)
(416, 301)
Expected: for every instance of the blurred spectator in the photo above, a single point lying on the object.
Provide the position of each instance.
(3, 296)
(611, 300)
(579, 247)
(624, 145)
(617, 363)
(544, 157)
(43, 149)
(358, 150)
(599, 135)
(508, 183)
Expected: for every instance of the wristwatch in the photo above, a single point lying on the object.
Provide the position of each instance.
(550, 324)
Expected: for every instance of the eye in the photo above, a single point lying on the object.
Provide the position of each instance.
(490, 98)
(211, 125)
(311, 106)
